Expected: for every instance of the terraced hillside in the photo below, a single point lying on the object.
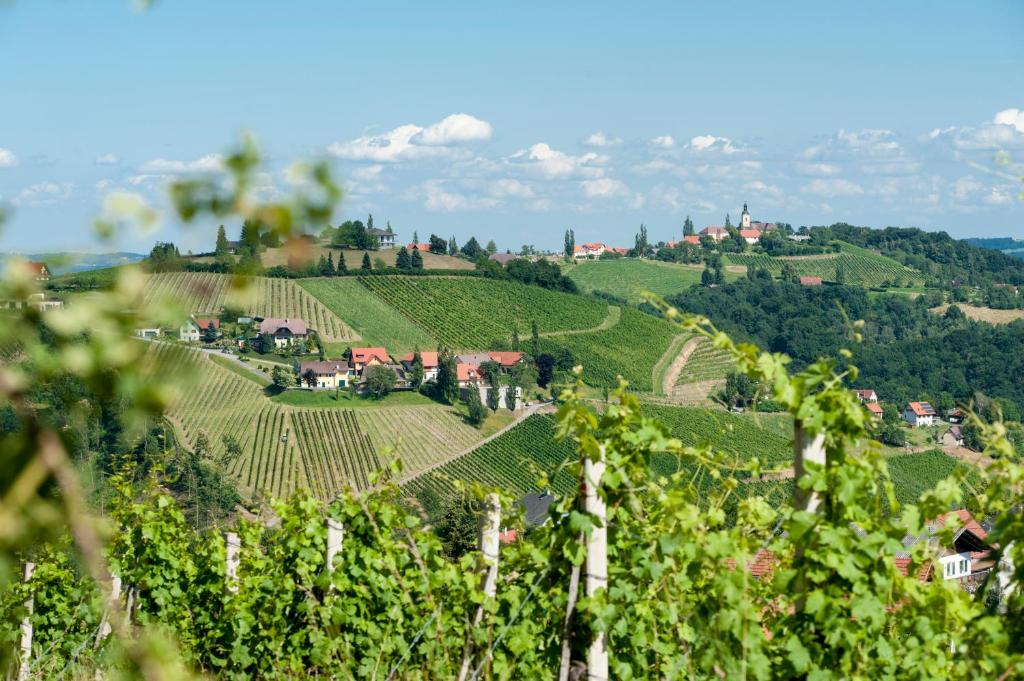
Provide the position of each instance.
(207, 293)
(861, 266)
(628, 277)
(471, 313)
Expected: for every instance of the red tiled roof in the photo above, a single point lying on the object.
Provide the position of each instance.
(714, 230)
(38, 269)
(507, 536)
(967, 522)
(692, 239)
(874, 408)
(422, 248)
(619, 249)
(205, 323)
(923, 572)
(866, 393)
(467, 372)
(506, 359)
(922, 409)
(810, 281)
(750, 233)
(429, 358)
(363, 355)
(589, 246)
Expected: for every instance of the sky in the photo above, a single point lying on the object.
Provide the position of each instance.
(519, 121)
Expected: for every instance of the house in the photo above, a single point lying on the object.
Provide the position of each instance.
(919, 414)
(751, 236)
(810, 281)
(332, 374)
(535, 507)
(430, 360)
(39, 270)
(284, 331)
(956, 415)
(422, 248)
(875, 408)
(715, 233)
(402, 381)
(968, 558)
(619, 250)
(385, 238)
(953, 437)
(364, 357)
(506, 360)
(208, 326)
(151, 332)
(190, 331)
(468, 375)
(502, 258)
(799, 237)
(474, 359)
(234, 247)
(591, 249)
(692, 239)
(866, 395)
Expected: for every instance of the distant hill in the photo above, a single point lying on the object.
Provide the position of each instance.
(1004, 244)
(64, 262)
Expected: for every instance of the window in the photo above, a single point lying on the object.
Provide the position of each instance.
(964, 567)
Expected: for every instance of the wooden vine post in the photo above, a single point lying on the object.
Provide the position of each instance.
(112, 601)
(806, 450)
(25, 656)
(490, 545)
(335, 536)
(233, 550)
(597, 558)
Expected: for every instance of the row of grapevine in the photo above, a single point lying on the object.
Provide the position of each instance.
(471, 313)
(336, 451)
(859, 265)
(207, 293)
(514, 462)
(631, 348)
(913, 474)
(272, 466)
(419, 436)
(706, 363)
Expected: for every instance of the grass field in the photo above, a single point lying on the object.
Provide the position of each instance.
(984, 314)
(628, 277)
(472, 313)
(206, 293)
(374, 320)
(257, 377)
(862, 266)
(327, 399)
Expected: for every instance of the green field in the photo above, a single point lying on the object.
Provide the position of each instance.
(372, 317)
(257, 377)
(912, 474)
(471, 313)
(328, 399)
(628, 277)
(706, 363)
(631, 348)
(862, 266)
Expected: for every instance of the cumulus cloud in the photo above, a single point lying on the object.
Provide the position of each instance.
(204, 164)
(832, 188)
(663, 142)
(712, 143)
(368, 173)
(1011, 117)
(764, 189)
(817, 169)
(44, 194)
(107, 160)
(603, 188)
(439, 199)
(510, 187)
(551, 163)
(410, 142)
(599, 139)
(870, 151)
(7, 158)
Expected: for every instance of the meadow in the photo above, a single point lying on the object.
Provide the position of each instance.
(627, 278)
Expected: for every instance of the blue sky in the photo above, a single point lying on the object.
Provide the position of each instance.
(517, 122)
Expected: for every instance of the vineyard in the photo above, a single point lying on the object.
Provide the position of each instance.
(336, 451)
(205, 293)
(861, 266)
(631, 348)
(472, 313)
(627, 278)
(707, 363)
(913, 474)
(514, 462)
(419, 436)
(378, 323)
(270, 465)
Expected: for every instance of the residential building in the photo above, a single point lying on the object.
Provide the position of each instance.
(468, 375)
(421, 247)
(591, 249)
(919, 414)
(364, 357)
(715, 232)
(810, 281)
(430, 361)
(967, 558)
(402, 381)
(751, 236)
(151, 332)
(474, 359)
(875, 408)
(953, 437)
(330, 375)
(189, 331)
(39, 270)
(866, 395)
(956, 415)
(385, 238)
(284, 331)
(692, 239)
(618, 249)
(506, 360)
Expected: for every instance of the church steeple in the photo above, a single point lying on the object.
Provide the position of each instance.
(745, 217)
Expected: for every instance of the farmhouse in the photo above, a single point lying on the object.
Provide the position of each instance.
(39, 270)
(474, 359)
(385, 238)
(967, 559)
(328, 375)
(810, 281)
(468, 375)
(919, 414)
(751, 236)
(692, 239)
(956, 415)
(284, 331)
(196, 328)
(591, 249)
(422, 248)
(875, 408)
(715, 233)
(364, 357)
(506, 360)
(953, 437)
(866, 395)
(430, 364)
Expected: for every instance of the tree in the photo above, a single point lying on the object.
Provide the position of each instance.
(545, 369)
(688, 229)
(366, 262)
(728, 222)
(490, 371)
(417, 372)
(438, 246)
(402, 261)
(570, 244)
(265, 343)
(447, 377)
(534, 339)
(719, 276)
(453, 248)
(222, 242)
(493, 397)
(840, 273)
(510, 395)
(249, 241)
(415, 235)
(707, 277)
(491, 247)
(458, 529)
(341, 268)
(379, 379)
(472, 249)
(515, 339)
(477, 410)
(369, 222)
(330, 271)
(309, 378)
(640, 244)
(281, 378)
(417, 260)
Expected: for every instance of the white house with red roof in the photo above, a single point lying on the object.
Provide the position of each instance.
(866, 395)
(715, 232)
(591, 249)
(506, 360)
(751, 236)
(364, 357)
(875, 408)
(196, 328)
(431, 363)
(469, 375)
(284, 331)
(327, 375)
(919, 414)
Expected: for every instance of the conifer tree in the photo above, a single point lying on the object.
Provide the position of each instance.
(366, 262)
(453, 248)
(222, 242)
(570, 244)
(330, 265)
(402, 261)
(341, 267)
(415, 237)
(688, 227)
(535, 339)
(447, 377)
(417, 259)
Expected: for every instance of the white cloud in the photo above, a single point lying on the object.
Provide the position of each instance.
(603, 188)
(510, 187)
(7, 158)
(712, 143)
(411, 142)
(999, 196)
(454, 129)
(654, 166)
(599, 139)
(817, 169)
(205, 164)
(107, 160)
(439, 199)
(1011, 117)
(965, 187)
(663, 142)
(368, 173)
(764, 189)
(44, 194)
(551, 163)
(832, 188)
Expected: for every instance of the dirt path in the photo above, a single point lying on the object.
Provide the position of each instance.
(526, 413)
(676, 367)
(613, 317)
(968, 456)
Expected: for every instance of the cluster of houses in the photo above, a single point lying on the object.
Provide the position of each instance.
(40, 272)
(284, 331)
(920, 415)
(749, 230)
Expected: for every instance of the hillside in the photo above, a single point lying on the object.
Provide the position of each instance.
(860, 266)
(626, 278)
(353, 258)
